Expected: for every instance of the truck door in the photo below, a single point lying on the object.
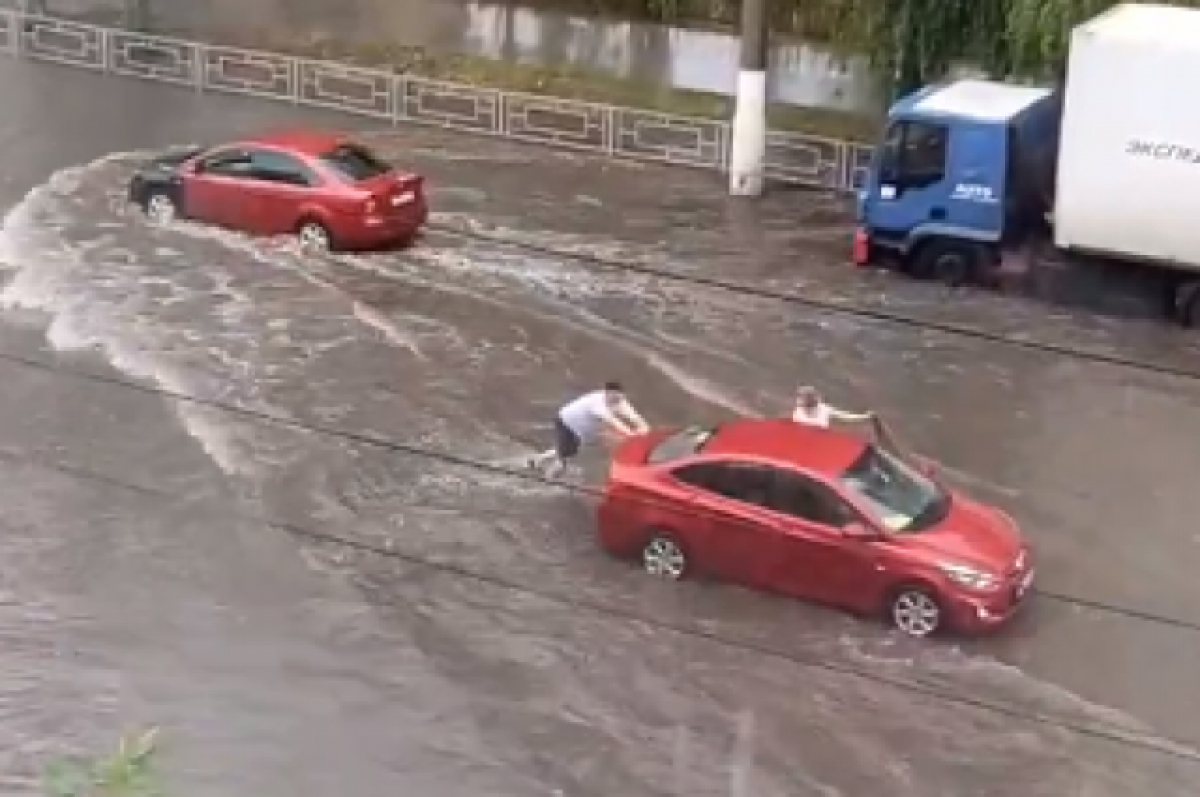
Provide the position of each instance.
(977, 172)
(910, 188)
(934, 175)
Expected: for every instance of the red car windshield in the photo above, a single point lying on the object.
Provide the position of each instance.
(899, 498)
(355, 163)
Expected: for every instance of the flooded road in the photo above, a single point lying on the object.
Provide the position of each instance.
(162, 561)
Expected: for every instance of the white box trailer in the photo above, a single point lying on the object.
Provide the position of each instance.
(1128, 172)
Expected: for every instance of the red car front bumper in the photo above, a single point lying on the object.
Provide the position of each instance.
(977, 614)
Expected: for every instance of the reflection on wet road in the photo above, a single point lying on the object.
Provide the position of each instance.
(499, 656)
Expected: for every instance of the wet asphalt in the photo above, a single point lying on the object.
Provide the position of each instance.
(158, 565)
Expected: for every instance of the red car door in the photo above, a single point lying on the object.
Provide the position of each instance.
(817, 560)
(727, 529)
(213, 186)
(275, 198)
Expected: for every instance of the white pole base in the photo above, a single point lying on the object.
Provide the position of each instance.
(748, 142)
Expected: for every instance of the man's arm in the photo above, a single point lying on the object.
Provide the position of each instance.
(634, 418)
(843, 415)
(615, 422)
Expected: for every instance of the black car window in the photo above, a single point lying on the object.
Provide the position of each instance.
(278, 167)
(800, 497)
(226, 163)
(355, 163)
(741, 481)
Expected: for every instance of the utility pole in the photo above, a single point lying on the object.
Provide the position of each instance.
(748, 143)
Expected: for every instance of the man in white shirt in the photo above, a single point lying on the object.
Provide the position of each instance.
(811, 410)
(585, 419)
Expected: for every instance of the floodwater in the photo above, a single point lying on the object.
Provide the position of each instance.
(161, 564)
(802, 73)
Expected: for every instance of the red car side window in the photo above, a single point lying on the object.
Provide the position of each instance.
(739, 481)
(800, 497)
(278, 167)
(225, 163)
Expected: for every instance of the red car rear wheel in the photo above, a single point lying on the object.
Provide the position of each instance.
(315, 236)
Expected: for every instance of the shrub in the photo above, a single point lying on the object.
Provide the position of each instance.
(128, 772)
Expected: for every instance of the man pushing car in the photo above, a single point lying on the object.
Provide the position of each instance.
(585, 419)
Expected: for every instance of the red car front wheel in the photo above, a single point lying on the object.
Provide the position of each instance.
(916, 611)
(664, 556)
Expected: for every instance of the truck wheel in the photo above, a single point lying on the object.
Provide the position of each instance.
(1187, 304)
(952, 263)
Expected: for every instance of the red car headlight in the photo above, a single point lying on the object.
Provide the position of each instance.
(970, 577)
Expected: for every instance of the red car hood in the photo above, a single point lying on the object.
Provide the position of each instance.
(974, 534)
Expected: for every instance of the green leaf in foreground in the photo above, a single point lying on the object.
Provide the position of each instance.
(129, 772)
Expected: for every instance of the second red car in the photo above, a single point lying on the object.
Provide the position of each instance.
(327, 189)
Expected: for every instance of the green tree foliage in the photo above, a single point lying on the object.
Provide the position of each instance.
(1040, 31)
(915, 41)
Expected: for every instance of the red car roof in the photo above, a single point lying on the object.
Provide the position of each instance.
(306, 142)
(825, 451)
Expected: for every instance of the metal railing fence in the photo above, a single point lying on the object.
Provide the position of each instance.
(612, 130)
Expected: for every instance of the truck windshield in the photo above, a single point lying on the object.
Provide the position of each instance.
(899, 498)
(681, 444)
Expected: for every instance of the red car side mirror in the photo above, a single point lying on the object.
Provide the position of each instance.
(859, 531)
(929, 469)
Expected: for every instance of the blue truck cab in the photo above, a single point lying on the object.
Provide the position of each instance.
(962, 170)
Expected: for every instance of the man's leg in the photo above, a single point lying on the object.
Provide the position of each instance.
(566, 446)
(550, 455)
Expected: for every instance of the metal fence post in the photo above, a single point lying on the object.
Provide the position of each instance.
(610, 142)
(398, 90)
(199, 65)
(17, 21)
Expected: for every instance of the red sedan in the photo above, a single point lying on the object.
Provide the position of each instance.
(330, 191)
(816, 514)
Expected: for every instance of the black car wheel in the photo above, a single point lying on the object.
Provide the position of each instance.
(160, 207)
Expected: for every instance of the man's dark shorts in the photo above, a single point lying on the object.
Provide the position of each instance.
(566, 442)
